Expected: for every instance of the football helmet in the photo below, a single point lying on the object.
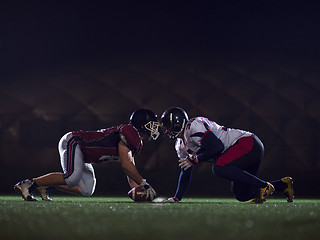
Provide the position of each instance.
(173, 120)
(146, 122)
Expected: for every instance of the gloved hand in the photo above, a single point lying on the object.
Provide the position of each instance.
(171, 200)
(185, 163)
(148, 190)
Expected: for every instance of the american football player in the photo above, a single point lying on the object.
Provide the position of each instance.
(80, 149)
(236, 155)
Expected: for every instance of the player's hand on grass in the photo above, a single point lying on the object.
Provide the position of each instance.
(149, 191)
(171, 200)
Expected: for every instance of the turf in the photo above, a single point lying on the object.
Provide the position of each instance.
(120, 218)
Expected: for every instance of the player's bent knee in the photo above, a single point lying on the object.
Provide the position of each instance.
(87, 189)
(71, 183)
(242, 198)
(86, 193)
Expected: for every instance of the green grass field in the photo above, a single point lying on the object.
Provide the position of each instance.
(120, 218)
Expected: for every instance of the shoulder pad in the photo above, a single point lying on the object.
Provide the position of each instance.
(130, 136)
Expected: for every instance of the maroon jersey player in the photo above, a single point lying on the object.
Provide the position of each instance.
(80, 149)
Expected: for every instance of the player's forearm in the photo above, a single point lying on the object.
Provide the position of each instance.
(183, 184)
(131, 182)
(131, 171)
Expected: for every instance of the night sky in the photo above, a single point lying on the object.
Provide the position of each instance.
(39, 34)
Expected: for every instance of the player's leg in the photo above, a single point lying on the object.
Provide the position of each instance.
(245, 185)
(78, 175)
(65, 188)
(251, 165)
(29, 186)
(244, 192)
(284, 185)
(46, 182)
(72, 163)
(234, 163)
(87, 183)
(240, 164)
(68, 153)
(236, 174)
(50, 179)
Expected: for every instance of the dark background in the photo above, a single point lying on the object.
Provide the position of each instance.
(69, 65)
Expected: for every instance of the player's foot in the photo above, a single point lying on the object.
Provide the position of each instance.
(44, 193)
(264, 193)
(24, 188)
(288, 192)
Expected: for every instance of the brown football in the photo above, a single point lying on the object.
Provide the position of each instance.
(138, 195)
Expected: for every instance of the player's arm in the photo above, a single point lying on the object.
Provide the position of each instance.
(131, 182)
(211, 147)
(128, 166)
(183, 183)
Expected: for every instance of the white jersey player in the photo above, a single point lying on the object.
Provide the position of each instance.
(236, 155)
(197, 128)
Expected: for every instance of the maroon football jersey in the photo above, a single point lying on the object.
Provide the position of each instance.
(102, 145)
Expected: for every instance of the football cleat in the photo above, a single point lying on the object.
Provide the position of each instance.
(288, 192)
(24, 188)
(44, 193)
(264, 193)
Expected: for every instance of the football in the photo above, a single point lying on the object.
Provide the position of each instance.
(138, 195)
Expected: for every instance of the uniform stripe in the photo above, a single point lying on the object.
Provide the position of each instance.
(243, 146)
(71, 148)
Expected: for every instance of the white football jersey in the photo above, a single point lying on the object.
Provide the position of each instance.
(195, 130)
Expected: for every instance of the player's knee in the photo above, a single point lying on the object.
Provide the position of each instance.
(241, 198)
(71, 182)
(87, 189)
(242, 194)
(86, 193)
(73, 179)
